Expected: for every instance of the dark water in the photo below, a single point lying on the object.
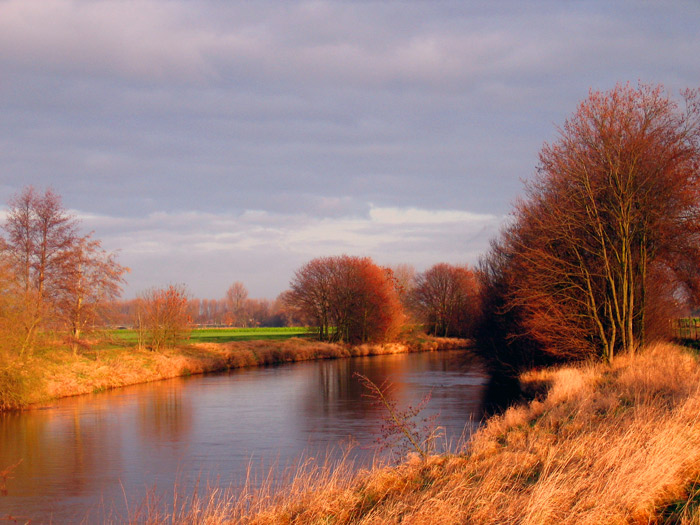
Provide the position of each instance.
(91, 455)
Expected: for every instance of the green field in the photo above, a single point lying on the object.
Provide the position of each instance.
(224, 335)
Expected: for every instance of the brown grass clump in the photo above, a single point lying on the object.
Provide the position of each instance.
(604, 444)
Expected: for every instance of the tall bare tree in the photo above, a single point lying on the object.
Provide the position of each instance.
(54, 266)
(90, 281)
(613, 212)
(236, 297)
(446, 299)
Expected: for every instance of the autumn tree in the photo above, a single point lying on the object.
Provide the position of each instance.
(162, 317)
(90, 282)
(10, 311)
(284, 314)
(404, 279)
(609, 228)
(236, 297)
(258, 312)
(445, 298)
(53, 266)
(348, 298)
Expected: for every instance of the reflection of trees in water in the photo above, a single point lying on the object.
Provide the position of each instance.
(72, 449)
(61, 451)
(163, 416)
(339, 393)
(334, 402)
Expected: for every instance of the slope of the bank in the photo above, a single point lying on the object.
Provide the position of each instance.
(59, 373)
(599, 444)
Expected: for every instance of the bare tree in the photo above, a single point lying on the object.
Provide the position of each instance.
(446, 297)
(162, 317)
(60, 275)
(348, 298)
(613, 211)
(90, 281)
(39, 232)
(236, 297)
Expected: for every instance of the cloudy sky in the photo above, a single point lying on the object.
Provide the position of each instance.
(213, 141)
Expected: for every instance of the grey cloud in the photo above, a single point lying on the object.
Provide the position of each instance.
(166, 247)
(245, 112)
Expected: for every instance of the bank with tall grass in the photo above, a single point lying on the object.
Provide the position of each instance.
(596, 444)
(59, 372)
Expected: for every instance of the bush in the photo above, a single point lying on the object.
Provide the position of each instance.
(14, 385)
(162, 318)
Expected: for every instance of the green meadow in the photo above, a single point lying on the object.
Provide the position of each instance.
(225, 335)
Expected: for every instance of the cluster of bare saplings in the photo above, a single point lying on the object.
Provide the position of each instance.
(605, 246)
(60, 286)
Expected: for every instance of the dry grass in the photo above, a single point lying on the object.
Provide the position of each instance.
(603, 444)
(56, 372)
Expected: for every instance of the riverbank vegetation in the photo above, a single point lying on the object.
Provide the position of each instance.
(600, 254)
(59, 290)
(59, 372)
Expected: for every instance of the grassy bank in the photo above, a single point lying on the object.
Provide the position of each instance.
(598, 444)
(58, 373)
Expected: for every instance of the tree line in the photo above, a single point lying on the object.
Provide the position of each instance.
(57, 284)
(601, 251)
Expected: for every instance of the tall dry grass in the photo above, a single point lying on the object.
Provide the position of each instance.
(601, 444)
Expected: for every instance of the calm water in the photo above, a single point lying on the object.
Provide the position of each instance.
(89, 455)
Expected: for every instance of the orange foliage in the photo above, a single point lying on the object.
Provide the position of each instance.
(608, 232)
(446, 298)
(348, 298)
(162, 317)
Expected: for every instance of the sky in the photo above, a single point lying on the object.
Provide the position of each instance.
(208, 142)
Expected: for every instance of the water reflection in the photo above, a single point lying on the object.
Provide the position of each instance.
(336, 405)
(93, 452)
(164, 416)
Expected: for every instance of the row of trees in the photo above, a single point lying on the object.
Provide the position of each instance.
(347, 298)
(216, 312)
(55, 280)
(605, 246)
(352, 299)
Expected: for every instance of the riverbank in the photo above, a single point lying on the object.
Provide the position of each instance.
(598, 444)
(58, 373)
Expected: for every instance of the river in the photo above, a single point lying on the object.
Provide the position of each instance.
(96, 455)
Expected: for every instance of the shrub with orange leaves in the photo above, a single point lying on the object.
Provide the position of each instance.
(162, 317)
